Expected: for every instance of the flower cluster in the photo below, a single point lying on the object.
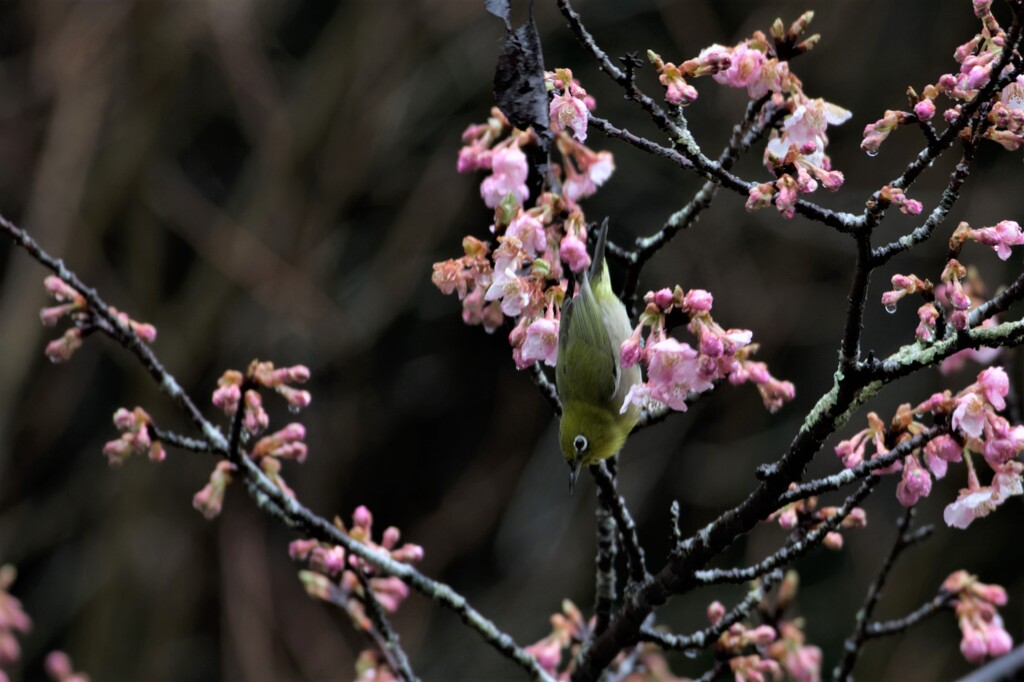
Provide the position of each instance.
(13, 619)
(897, 197)
(521, 278)
(981, 626)
(977, 59)
(960, 290)
(736, 643)
(71, 304)
(754, 64)
(795, 152)
(675, 369)
(1001, 237)
(268, 451)
(558, 652)
(976, 428)
(570, 105)
(805, 516)
(135, 438)
(341, 578)
(738, 638)
(801, 661)
(229, 392)
(796, 155)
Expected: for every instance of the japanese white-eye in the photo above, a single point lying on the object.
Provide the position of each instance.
(592, 384)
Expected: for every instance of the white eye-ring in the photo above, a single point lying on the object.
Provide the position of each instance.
(580, 443)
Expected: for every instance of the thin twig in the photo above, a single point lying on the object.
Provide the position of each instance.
(854, 643)
(862, 470)
(609, 497)
(791, 551)
(605, 587)
(179, 441)
(703, 638)
(898, 625)
(882, 254)
(387, 638)
(267, 496)
(547, 389)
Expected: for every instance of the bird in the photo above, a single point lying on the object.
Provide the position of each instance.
(591, 382)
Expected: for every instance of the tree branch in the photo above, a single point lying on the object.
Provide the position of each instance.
(267, 496)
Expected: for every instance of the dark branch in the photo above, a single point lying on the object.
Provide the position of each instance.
(609, 498)
(791, 551)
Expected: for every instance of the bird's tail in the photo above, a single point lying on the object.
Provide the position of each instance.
(598, 274)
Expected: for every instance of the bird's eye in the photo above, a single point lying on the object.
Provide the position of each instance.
(580, 443)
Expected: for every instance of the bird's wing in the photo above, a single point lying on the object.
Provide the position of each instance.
(591, 358)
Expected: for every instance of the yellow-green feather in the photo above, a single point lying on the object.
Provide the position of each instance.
(591, 384)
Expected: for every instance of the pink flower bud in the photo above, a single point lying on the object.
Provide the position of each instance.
(924, 110)
(574, 252)
(300, 549)
(663, 299)
(61, 350)
(630, 351)
(390, 537)
(833, 541)
(362, 517)
(716, 611)
(697, 301)
(408, 553)
(58, 665)
(973, 646)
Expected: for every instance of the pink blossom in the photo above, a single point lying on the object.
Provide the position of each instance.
(941, 450)
(786, 198)
(530, 233)
(995, 385)
(511, 290)
(663, 299)
(978, 501)
(594, 170)
(541, 342)
(673, 372)
(876, 133)
(744, 70)
(803, 663)
(573, 251)
(928, 315)
(754, 668)
(760, 196)
(970, 415)
(567, 111)
(475, 156)
(715, 611)
(1003, 443)
(1012, 96)
(915, 484)
(697, 301)
(924, 110)
(1001, 237)
(631, 349)
(509, 174)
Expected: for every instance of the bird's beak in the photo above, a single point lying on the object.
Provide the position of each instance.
(574, 473)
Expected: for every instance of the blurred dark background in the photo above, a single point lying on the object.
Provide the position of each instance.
(274, 179)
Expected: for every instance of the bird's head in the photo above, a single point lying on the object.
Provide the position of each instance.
(587, 435)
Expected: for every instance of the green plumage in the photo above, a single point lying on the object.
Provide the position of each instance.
(591, 382)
